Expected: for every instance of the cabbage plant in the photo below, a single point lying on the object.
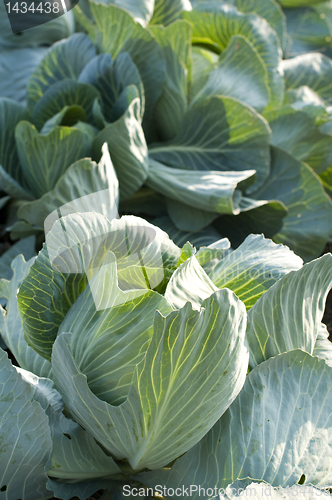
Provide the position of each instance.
(143, 364)
(212, 130)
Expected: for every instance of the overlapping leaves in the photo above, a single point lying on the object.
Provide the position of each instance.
(123, 356)
(178, 82)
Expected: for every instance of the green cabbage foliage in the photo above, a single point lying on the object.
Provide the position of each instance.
(179, 350)
(145, 364)
(216, 116)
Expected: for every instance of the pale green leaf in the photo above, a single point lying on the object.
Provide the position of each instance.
(140, 10)
(212, 191)
(11, 325)
(251, 269)
(289, 314)
(75, 453)
(251, 438)
(77, 246)
(189, 283)
(187, 251)
(313, 70)
(113, 333)
(110, 27)
(309, 28)
(143, 429)
(270, 10)
(26, 443)
(210, 256)
(306, 99)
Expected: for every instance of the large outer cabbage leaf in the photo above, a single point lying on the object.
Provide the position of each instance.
(289, 314)
(251, 438)
(25, 437)
(11, 325)
(75, 454)
(140, 10)
(296, 132)
(309, 28)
